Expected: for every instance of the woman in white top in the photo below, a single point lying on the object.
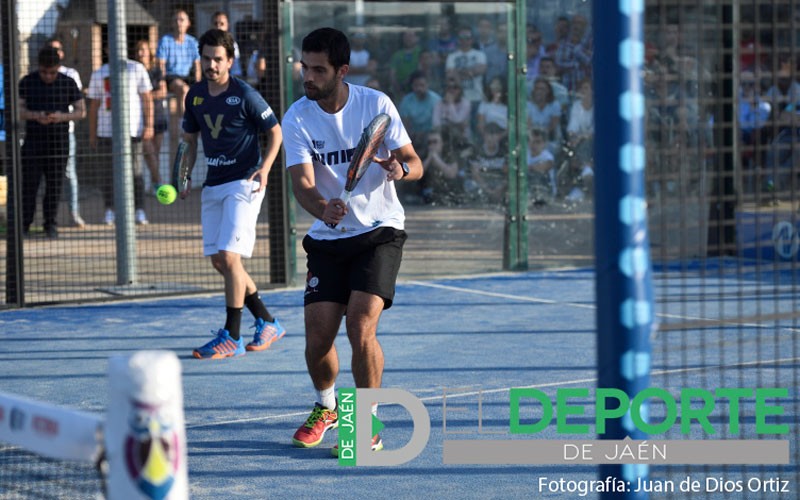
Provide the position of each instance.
(544, 112)
(495, 108)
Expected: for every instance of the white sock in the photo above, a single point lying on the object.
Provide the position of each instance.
(327, 397)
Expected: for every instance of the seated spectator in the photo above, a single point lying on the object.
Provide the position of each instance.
(489, 166)
(433, 72)
(541, 169)
(416, 109)
(451, 116)
(548, 70)
(495, 108)
(580, 139)
(442, 183)
(545, 112)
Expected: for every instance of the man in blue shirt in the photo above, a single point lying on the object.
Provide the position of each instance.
(230, 116)
(178, 56)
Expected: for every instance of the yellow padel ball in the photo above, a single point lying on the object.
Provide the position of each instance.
(166, 194)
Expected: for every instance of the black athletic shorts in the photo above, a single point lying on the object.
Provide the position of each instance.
(367, 263)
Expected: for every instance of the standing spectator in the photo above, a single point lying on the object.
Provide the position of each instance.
(48, 101)
(469, 65)
(256, 74)
(496, 53)
(404, 62)
(140, 128)
(354, 250)
(362, 66)
(72, 170)
(545, 112)
(754, 113)
(152, 147)
(445, 41)
(574, 56)
(560, 35)
(485, 34)
(416, 108)
(234, 188)
(534, 52)
(220, 21)
(178, 56)
(451, 116)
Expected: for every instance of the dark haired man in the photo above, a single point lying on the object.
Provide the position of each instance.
(354, 250)
(49, 100)
(230, 116)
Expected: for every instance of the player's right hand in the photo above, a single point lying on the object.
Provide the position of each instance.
(185, 193)
(334, 212)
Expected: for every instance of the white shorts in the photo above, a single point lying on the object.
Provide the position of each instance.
(229, 214)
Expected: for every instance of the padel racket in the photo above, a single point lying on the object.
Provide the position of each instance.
(363, 154)
(180, 169)
(371, 139)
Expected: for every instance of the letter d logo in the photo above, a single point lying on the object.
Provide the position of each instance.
(363, 445)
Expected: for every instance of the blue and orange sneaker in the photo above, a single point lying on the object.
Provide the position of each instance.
(266, 334)
(223, 346)
(310, 434)
(377, 445)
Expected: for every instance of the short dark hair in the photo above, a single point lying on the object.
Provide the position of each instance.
(416, 75)
(49, 57)
(330, 41)
(217, 38)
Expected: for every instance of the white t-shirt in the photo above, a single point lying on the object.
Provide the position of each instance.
(581, 120)
(100, 88)
(312, 136)
(473, 86)
(358, 59)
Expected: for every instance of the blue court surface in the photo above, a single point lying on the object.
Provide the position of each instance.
(467, 339)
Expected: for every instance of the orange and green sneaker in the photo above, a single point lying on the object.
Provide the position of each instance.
(310, 434)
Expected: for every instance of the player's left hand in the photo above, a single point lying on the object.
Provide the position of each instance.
(392, 166)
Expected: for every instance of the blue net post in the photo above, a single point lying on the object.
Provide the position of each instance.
(624, 286)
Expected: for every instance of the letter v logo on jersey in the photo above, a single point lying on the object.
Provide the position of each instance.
(215, 127)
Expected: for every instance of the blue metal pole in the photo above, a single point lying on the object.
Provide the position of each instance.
(624, 288)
